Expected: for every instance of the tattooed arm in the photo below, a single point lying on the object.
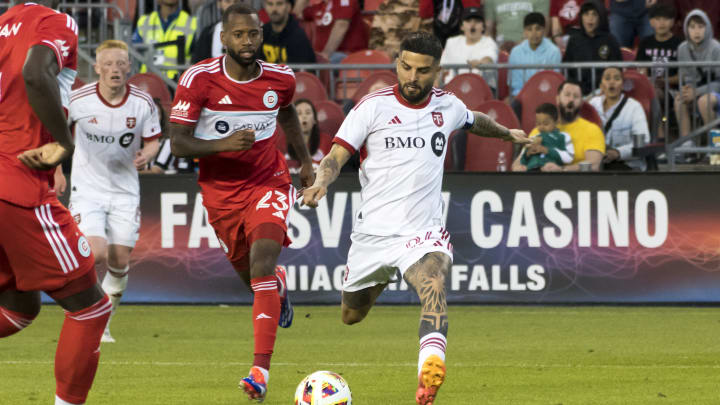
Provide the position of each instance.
(486, 126)
(326, 174)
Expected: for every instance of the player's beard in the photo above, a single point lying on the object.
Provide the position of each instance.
(241, 60)
(568, 113)
(419, 96)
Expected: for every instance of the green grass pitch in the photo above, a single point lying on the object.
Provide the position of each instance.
(496, 355)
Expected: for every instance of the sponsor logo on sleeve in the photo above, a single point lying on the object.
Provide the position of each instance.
(181, 108)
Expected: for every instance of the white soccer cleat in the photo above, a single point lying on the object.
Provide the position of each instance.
(107, 337)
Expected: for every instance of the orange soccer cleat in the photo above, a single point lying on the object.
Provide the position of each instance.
(432, 375)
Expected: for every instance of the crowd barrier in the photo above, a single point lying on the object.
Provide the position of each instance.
(518, 238)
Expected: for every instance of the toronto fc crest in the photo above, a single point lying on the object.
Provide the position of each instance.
(437, 118)
(131, 122)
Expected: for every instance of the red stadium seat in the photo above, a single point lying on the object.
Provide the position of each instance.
(471, 88)
(77, 84)
(541, 88)
(628, 55)
(639, 87)
(155, 86)
(323, 75)
(375, 81)
(308, 86)
(330, 117)
(488, 154)
(502, 85)
(589, 112)
(345, 90)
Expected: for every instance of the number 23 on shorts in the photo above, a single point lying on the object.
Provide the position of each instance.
(280, 203)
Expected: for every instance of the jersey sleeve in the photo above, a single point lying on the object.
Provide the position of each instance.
(356, 127)
(59, 33)
(151, 126)
(188, 102)
(465, 117)
(290, 92)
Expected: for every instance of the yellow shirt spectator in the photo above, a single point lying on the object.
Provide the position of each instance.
(585, 136)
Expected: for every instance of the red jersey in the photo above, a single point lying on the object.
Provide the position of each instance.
(21, 28)
(217, 105)
(325, 13)
(567, 11)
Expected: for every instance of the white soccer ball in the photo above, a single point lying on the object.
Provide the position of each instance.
(323, 388)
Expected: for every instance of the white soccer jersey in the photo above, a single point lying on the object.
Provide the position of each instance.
(401, 176)
(107, 138)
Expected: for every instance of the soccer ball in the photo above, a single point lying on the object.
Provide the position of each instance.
(323, 388)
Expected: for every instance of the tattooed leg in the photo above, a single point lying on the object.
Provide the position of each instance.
(357, 304)
(427, 277)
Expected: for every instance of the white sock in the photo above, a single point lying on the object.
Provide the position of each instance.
(59, 401)
(432, 343)
(114, 286)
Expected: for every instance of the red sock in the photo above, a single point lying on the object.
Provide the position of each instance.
(266, 311)
(12, 322)
(78, 351)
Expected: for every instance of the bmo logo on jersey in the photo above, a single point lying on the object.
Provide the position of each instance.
(437, 143)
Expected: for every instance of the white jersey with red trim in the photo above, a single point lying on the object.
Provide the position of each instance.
(405, 146)
(107, 137)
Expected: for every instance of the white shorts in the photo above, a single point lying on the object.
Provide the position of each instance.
(117, 220)
(374, 260)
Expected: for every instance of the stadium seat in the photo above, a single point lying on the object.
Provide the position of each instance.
(471, 88)
(485, 154)
(503, 90)
(345, 90)
(375, 81)
(155, 86)
(323, 75)
(77, 84)
(330, 117)
(308, 86)
(639, 87)
(541, 88)
(589, 112)
(628, 55)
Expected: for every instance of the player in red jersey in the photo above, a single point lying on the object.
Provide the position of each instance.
(41, 248)
(225, 111)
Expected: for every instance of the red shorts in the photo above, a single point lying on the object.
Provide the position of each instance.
(41, 248)
(264, 217)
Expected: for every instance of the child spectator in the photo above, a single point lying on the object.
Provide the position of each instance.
(591, 43)
(698, 47)
(505, 16)
(535, 49)
(549, 145)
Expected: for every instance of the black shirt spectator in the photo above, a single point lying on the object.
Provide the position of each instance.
(284, 41)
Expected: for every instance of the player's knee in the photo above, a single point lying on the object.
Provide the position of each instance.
(352, 316)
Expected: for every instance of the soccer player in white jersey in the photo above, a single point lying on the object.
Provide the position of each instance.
(111, 119)
(402, 131)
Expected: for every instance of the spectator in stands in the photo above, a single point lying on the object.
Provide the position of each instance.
(445, 17)
(208, 44)
(564, 15)
(339, 27)
(629, 19)
(587, 138)
(696, 82)
(591, 43)
(210, 13)
(550, 145)
(623, 118)
(311, 135)
(504, 17)
(472, 47)
(535, 49)
(284, 41)
(684, 7)
(170, 23)
(167, 163)
(661, 47)
(393, 21)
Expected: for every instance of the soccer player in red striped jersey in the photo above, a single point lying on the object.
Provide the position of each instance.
(41, 248)
(225, 112)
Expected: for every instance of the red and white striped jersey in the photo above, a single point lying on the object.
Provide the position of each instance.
(217, 105)
(107, 137)
(401, 176)
(21, 28)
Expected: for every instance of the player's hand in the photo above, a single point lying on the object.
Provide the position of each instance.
(518, 136)
(242, 139)
(140, 161)
(312, 195)
(60, 182)
(45, 157)
(307, 175)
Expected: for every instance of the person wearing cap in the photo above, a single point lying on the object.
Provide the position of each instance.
(505, 17)
(444, 16)
(591, 43)
(535, 49)
(284, 41)
(471, 48)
